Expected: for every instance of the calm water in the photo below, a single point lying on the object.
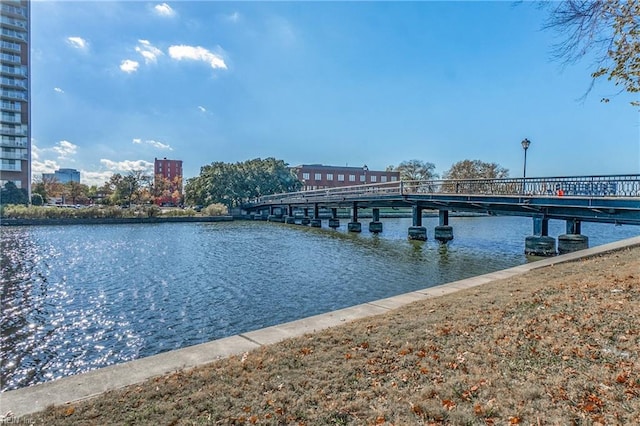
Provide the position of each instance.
(76, 298)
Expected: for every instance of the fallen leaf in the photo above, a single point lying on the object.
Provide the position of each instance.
(448, 404)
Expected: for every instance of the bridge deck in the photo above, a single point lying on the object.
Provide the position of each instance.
(611, 199)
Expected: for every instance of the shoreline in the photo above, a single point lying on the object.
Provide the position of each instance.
(195, 219)
(112, 221)
(29, 400)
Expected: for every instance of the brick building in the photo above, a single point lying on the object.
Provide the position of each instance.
(318, 176)
(171, 170)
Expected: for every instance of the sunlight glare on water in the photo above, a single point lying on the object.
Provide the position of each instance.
(77, 298)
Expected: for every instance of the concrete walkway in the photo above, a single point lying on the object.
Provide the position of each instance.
(86, 385)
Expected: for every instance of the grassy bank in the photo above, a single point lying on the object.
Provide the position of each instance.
(104, 212)
(558, 345)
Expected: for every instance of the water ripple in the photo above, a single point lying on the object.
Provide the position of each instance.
(76, 298)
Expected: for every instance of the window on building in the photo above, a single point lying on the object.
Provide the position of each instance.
(329, 176)
(363, 178)
(394, 178)
(352, 178)
(305, 176)
(383, 179)
(374, 178)
(340, 178)
(318, 176)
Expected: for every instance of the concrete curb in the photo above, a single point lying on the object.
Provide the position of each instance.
(35, 398)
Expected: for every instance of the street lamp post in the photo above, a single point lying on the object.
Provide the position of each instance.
(525, 145)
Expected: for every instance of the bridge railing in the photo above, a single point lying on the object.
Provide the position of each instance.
(582, 186)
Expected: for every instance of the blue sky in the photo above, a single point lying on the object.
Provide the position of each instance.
(116, 84)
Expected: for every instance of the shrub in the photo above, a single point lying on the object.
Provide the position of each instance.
(179, 212)
(152, 210)
(37, 200)
(215, 210)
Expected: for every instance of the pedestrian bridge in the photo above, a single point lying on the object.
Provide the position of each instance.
(611, 199)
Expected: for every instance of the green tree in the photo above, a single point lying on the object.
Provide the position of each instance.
(166, 190)
(606, 29)
(132, 188)
(76, 192)
(11, 194)
(39, 188)
(416, 170)
(475, 169)
(36, 199)
(51, 188)
(233, 184)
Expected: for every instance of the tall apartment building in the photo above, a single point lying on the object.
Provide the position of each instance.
(15, 129)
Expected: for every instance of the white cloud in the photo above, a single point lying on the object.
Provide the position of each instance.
(129, 66)
(127, 165)
(164, 10)
(234, 17)
(78, 43)
(58, 90)
(95, 178)
(201, 108)
(197, 53)
(35, 151)
(149, 52)
(65, 149)
(38, 167)
(160, 145)
(151, 142)
(46, 166)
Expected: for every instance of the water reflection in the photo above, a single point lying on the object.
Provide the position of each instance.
(443, 255)
(80, 297)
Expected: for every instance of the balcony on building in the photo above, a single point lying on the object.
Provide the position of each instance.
(10, 46)
(11, 34)
(10, 10)
(13, 142)
(11, 165)
(10, 106)
(20, 71)
(14, 154)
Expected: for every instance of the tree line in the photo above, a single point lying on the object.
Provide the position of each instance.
(136, 187)
(230, 184)
(466, 169)
(233, 184)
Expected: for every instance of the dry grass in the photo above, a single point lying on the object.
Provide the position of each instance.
(559, 345)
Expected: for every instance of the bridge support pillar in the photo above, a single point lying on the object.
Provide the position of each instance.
(540, 243)
(354, 225)
(316, 222)
(334, 222)
(276, 215)
(306, 219)
(572, 240)
(289, 218)
(417, 231)
(375, 226)
(443, 231)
